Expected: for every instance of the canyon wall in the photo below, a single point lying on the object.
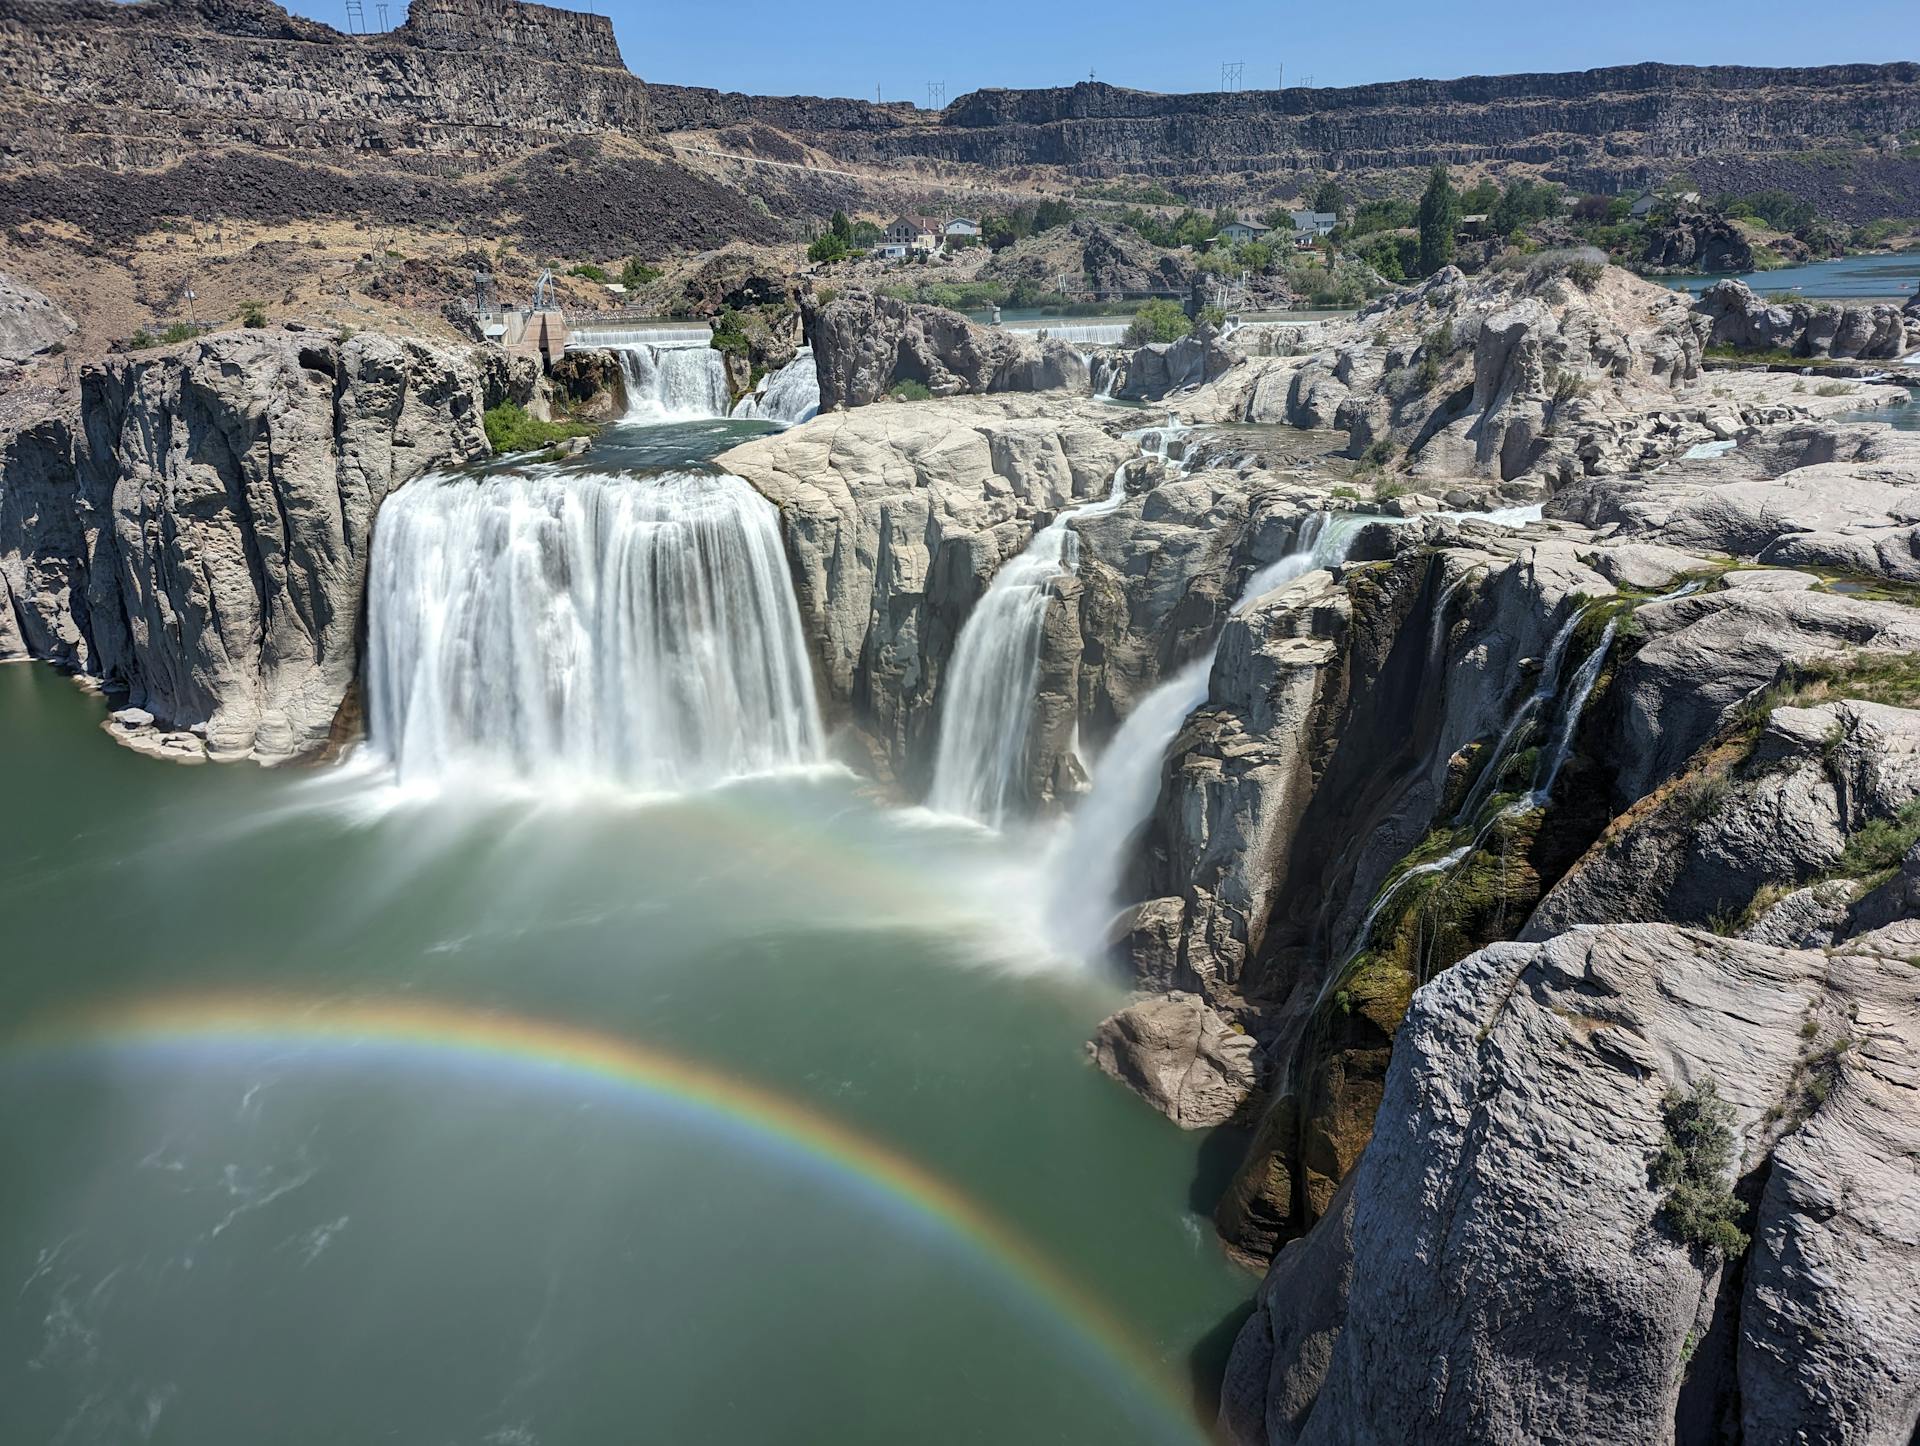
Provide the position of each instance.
(197, 533)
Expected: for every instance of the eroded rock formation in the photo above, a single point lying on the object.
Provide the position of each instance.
(866, 345)
(198, 534)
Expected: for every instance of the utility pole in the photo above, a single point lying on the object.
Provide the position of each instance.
(356, 18)
(381, 7)
(1232, 74)
(936, 95)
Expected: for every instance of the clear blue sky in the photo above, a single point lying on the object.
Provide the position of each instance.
(847, 47)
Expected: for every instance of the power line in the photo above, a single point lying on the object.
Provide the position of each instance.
(356, 18)
(936, 95)
(1232, 74)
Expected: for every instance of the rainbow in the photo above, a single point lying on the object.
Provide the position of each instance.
(687, 1087)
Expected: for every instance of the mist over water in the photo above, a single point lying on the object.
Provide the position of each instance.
(591, 805)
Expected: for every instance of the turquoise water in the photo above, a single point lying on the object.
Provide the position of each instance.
(1902, 418)
(1876, 278)
(263, 1236)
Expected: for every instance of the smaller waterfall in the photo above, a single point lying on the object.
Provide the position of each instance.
(788, 396)
(1091, 863)
(986, 702)
(561, 625)
(1089, 867)
(1584, 677)
(673, 383)
(1542, 694)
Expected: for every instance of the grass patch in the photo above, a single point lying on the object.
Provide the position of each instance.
(1876, 848)
(910, 391)
(510, 429)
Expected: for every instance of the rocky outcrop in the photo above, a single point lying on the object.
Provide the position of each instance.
(1112, 261)
(1737, 318)
(1509, 1184)
(198, 536)
(1697, 241)
(1753, 821)
(1560, 369)
(30, 324)
(1188, 1062)
(1158, 369)
(865, 345)
(897, 517)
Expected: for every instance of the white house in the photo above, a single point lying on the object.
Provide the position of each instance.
(1242, 229)
(962, 229)
(1312, 226)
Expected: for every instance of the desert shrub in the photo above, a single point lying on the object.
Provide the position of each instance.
(1158, 321)
(590, 272)
(636, 274)
(180, 331)
(910, 391)
(1693, 1165)
(510, 429)
(253, 314)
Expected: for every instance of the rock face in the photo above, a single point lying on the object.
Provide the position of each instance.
(1739, 319)
(29, 323)
(1771, 815)
(1158, 369)
(1556, 371)
(865, 345)
(1508, 1185)
(897, 517)
(199, 537)
(1695, 241)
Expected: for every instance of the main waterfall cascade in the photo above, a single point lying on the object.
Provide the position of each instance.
(673, 383)
(556, 623)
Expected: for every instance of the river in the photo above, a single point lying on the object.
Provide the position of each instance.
(493, 1107)
(1845, 278)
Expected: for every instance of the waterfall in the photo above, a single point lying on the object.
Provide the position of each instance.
(1584, 677)
(1089, 867)
(686, 333)
(788, 396)
(1092, 861)
(1077, 333)
(552, 624)
(1542, 694)
(986, 703)
(673, 383)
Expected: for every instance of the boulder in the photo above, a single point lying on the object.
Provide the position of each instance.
(865, 345)
(1182, 1057)
(29, 322)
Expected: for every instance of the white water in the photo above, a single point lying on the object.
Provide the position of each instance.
(788, 396)
(1089, 867)
(691, 333)
(1542, 694)
(569, 626)
(673, 383)
(986, 703)
(1078, 333)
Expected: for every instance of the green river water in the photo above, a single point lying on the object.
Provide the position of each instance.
(291, 1155)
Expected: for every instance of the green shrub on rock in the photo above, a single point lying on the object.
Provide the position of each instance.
(1693, 1166)
(1158, 321)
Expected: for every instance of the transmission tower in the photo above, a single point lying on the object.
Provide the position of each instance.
(1232, 74)
(381, 7)
(936, 95)
(356, 18)
(1307, 81)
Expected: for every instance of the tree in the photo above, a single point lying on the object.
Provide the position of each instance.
(841, 229)
(1439, 217)
(1328, 197)
(1158, 321)
(828, 247)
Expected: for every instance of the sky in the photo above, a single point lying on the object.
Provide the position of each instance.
(852, 47)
